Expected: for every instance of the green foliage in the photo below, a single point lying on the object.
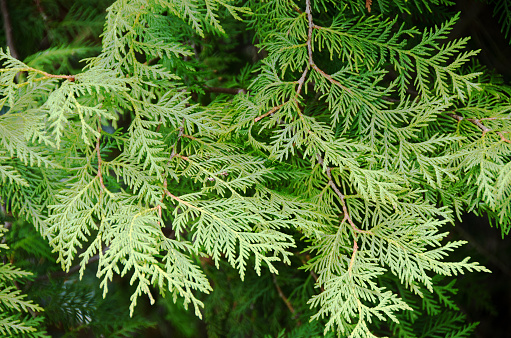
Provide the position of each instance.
(502, 11)
(351, 141)
(17, 313)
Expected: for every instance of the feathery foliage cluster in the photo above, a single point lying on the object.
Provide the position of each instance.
(15, 319)
(342, 148)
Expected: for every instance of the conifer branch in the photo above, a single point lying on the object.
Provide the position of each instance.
(242, 199)
(46, 75)
(53, 76)
(311, 63)
(479, 124)
(346, 216)
(312, 26)
(271, 111)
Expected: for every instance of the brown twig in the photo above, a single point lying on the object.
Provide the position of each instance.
(189, 137)
(301, 81)
(330, 78)
(308, 10)
(284, 298)
(346, 215)
(273, 110)
(298, 10)
(479, 124)
(67, 77)
(98, 152)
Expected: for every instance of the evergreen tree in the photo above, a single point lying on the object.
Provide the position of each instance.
(317, 149)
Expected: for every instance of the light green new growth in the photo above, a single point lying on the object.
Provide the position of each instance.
(359, 135)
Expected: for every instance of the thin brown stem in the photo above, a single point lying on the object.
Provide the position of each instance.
(271, 111)
(309, 48)
(284, 298)
(42, 72)
(67, 77)
(308, 11)
(302, 80)
(98, 152)
(330, 78)
(479, 124)
(189, 137)
(346, 215)
(298, 10)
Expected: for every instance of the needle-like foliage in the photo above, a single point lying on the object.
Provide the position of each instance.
(356, 138)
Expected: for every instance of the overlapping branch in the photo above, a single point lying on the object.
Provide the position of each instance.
(300, 82)
(311, 63)
(346, 215)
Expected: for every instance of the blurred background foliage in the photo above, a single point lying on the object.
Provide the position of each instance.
(54, 35)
